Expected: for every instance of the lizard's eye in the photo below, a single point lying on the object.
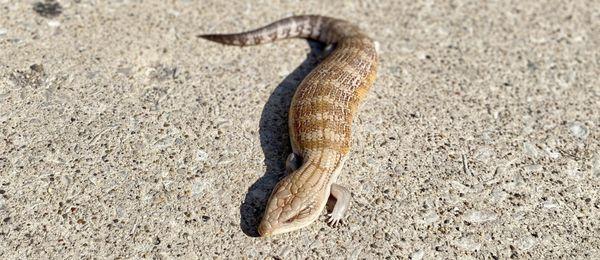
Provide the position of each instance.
(302, 214)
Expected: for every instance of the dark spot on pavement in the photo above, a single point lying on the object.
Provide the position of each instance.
(48, 8)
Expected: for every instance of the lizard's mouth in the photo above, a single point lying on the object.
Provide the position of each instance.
(270, 228)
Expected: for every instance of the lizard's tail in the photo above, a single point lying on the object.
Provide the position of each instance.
(320, 28)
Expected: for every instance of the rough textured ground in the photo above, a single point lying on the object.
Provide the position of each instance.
(124, 135)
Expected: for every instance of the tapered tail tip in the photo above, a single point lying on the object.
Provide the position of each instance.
(227, 39)
(210, 37)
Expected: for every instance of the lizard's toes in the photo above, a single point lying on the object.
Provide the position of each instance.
(333, 220)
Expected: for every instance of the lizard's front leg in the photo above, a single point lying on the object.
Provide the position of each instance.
(342, 203)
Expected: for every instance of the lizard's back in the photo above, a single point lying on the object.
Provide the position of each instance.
(324, 104)
(323, 107)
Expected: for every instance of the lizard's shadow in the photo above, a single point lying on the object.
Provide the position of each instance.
(274, 140)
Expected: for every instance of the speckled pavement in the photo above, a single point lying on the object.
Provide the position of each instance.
(123, 135)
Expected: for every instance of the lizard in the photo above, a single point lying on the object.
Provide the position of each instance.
(319, 119)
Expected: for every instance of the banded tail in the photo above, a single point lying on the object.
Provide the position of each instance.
(320, 28)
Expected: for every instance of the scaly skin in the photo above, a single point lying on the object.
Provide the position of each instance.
(320, 118)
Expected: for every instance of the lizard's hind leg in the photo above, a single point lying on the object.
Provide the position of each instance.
(342, 197)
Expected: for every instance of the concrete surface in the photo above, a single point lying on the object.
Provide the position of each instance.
(122, 135)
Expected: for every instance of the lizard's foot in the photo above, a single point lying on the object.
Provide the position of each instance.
(292, 162)
(342, 197)
(334, 220)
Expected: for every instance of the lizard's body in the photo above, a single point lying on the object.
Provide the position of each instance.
(320, 117)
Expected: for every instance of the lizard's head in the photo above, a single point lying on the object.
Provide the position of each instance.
(291, 207)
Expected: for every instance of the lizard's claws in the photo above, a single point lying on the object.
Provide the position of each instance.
(333, 221)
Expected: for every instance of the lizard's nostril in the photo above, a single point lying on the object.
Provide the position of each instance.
(263, 231)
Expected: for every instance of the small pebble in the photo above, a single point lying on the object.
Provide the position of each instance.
(533, 168)
(519, 215)
(201, 155)
(574, 170)
(431, 217)
(174, 12)
(480, 217)
(53, 23)
(596, 165)
(484, 154)
(498, 195)
(530, 150)
(468, 244)
(526, 243)
(550, 204)
(578, 130)
(356, 253)
(460, 187)
(538, 40)
(164, 142)
(552, 153)
(199, 187)
(422, 55)
(417, 255)
(500, 170)
(3, 31)
(399, 170)
(378, 234)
